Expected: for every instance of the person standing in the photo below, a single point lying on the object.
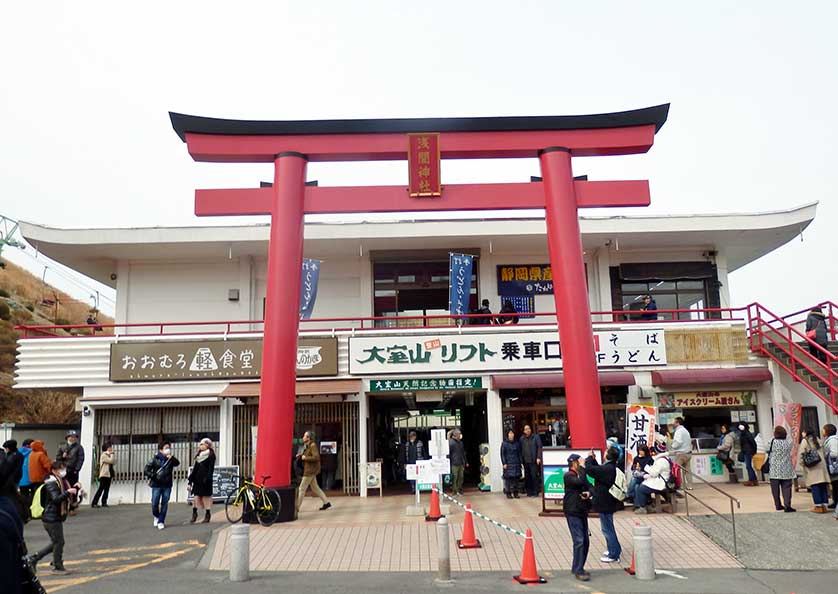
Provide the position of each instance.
(72, 454)
(815, 474)
(106, 474)
(310, 457)
(510, 458)
(56, 497)
(160, 474)
(604, 503)
(200, 480)
(486, 318)
(576, 505)
(531, 456)
(40, 465)
(457, 456)
(649, 309)
(830, 450)
(412, 451)
(724, 452)
(507, 312)
(748, 449)
(11, 529)
(681, 449)
(780, 468)
(816, 332)
(25, 483)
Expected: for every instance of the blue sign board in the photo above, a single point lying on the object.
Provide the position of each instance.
(308, 287)
(525, 279)
(460, 266)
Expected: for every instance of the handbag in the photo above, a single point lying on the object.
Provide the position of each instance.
(741, 457)
(812, 334)
(766, 467)
(811, 458)
(723, 456)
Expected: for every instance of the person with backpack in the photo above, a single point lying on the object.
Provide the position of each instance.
(830, 449)
(657, 478)
(609, 493)
(159, 472)
(52, 504)
(106, 461)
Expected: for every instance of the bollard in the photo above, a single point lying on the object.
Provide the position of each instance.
(644, 560)
(443, 572)
(240, 553)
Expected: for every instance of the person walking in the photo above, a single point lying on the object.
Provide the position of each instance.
(748, 449)
(310, 457)
(25, 483)
(531, 456)
(816, 332)
(11, 529)
(510, 458)
(72, 454)
(56, 497)
(107, 459)
(576, 505)
(811, 458)
(638, 463)
(780, 468)
(160, 474)
(655, 478)
(486, 318)
(200, 480)
(830, 450)
(412, 451)
(681, 449)
(604, 503)
(457, 457)
(724, 452)
(40, 465)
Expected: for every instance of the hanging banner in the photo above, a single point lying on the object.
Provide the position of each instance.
(790, 416)
(640, 430)
(525, 279)
(459, 291)
(423, 164)
(308, 287)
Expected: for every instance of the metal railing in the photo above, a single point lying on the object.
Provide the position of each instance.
(731, 498)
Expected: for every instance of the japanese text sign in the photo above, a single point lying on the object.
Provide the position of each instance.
(308, 287)
(423, 161)
(425, 383)
(459, 286)
(212, 359)
(525, 279)
(706, 399)
(790, 416)
(640, 430)
(514, 351)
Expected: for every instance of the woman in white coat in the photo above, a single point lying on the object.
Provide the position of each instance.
(654, 481)
(816, 475)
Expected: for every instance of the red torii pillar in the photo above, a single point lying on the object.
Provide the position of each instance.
(290, 145)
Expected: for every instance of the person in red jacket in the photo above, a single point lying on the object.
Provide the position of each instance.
(40, 465)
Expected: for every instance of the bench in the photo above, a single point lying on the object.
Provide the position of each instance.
(665, 502)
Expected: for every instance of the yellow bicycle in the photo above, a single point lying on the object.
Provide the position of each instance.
(263, 501)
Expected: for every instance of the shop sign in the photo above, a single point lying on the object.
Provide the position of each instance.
(425, 383)
(497, 352)
(373, 475)
(554, 466)
(525, 279)
(212, 359)
(705, 399)
(640, 430)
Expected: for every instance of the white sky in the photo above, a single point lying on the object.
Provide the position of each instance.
(85, 139)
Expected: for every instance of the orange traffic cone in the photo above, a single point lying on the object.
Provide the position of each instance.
(529, 572)
(630, 570)
(468, 541)
(435, 513)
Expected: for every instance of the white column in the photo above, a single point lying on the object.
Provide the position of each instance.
(603, 273)
(765, 404)
(245, 286)
(721, 269)
(225, 432)
(363, 446)
(494, 418)
(123, 287)
(88, 442)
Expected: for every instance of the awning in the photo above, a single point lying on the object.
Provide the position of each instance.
(556, 380)
(692, 377)
(329, 386)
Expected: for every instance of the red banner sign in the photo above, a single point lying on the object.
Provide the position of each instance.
(423, 160)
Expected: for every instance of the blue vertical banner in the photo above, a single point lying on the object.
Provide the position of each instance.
(459, 271)
(308, 287)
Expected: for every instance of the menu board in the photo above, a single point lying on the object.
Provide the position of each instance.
(225, 480)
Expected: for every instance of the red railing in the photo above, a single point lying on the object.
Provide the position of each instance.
(830, 311)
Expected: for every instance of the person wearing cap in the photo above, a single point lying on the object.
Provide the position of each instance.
(72, 454)
(576, 505)
(649, 309)
(200, 480)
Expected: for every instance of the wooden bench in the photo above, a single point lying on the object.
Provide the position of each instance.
(665, 502)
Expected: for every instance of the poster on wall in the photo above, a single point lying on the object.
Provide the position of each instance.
(790, 416)
(640, 430)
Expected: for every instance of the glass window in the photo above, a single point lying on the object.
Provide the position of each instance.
(691, 284)
(662, 286)
(635, 288)
(666, 301)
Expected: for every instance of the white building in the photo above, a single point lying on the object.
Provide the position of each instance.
(705, 368)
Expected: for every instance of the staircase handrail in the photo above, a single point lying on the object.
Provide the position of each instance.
(792, 330)
(731, 498)
(831, 315)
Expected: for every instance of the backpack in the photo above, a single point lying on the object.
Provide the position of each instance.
(674, 481)
(37, 508)
(618, 489)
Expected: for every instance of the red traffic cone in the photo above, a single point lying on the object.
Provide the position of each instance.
(630, 570)
(529, 572)
(435, 513)
(468, 541)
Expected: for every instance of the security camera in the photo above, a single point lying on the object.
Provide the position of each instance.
(113, 276)
(85, 410)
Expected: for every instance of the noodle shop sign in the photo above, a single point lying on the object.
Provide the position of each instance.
(705, 399)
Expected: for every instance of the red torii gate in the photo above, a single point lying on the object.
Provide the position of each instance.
(290, 145)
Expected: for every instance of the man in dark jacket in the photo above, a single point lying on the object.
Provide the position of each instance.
(159, 472)
(817, 321)
(56, 496)
(412, 451)
(576, 505)
(510, 458)
(72, 454)
(487, 314)
(649, 309)
(531, 455)
(605, 504)
(457, 456)
(748, 447)
(11, 525)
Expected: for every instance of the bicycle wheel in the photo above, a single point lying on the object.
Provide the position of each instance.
(267, 507)
(234, 506)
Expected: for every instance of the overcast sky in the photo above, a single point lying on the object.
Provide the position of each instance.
(85, 139)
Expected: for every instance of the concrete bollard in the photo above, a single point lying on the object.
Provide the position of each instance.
(240, 553)
(644, 559)
(443, 572)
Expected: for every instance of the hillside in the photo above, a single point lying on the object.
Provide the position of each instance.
(25, 299)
